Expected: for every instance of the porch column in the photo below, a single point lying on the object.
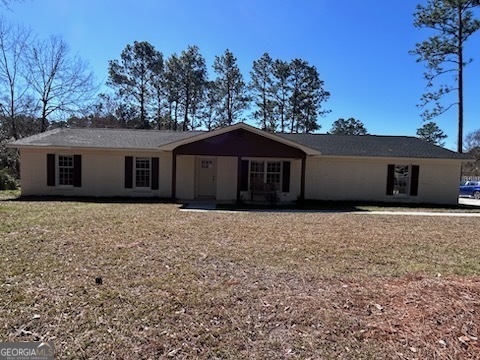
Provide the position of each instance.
(302, 177)
(174, 174)
(239, 176)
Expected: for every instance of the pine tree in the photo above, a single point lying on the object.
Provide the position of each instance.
(348, 127)
(431, 133)
(453, 23)
(261, 88)
(230, 88)
(133, 76)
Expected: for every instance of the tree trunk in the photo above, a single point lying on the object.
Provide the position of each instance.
(460, 80)
(43, 127)
(12, 113)
(187, 106)
(175, 114)
(142, 111)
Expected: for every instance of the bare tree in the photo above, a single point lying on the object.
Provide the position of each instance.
(63, 83)
(14, 42)
(5, 3)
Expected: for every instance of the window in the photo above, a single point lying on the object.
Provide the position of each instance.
(403, 180)
(273, 175)
(65, 170)
(257, 170)
(142, 172)
(265, 175)
(207, 164)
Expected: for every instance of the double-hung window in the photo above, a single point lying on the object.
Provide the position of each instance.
(402, 180)
(266, 175)
(65, 170)
(142, 172)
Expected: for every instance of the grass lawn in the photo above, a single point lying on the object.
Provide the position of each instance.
(248, 285)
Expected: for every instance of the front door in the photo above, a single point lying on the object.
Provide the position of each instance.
(207, 172)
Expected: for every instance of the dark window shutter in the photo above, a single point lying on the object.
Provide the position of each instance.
(50, 169)
(414, 182)
(128, 172)
(244, 175)
(286, 177)
(155, 173)
(390, 179)
(77, 170)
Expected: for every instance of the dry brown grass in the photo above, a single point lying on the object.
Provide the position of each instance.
(252, 285)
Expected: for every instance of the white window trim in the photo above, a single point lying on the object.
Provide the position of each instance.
(409, 183)
(265, 161)
(57, 171)
(142, 188)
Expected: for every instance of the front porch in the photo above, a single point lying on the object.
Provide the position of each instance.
(237, 179)
(238, 166)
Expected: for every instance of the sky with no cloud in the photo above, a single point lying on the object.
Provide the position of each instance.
(360, 48)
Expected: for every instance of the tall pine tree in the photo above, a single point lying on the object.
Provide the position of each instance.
(281, 90)
(133, 76)
(230, 88)
(192, 81)
(443, 53)
(261, 88)
(306, 97)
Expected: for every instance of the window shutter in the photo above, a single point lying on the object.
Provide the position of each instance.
(414, 182)
(128, 172)
(286, 177)
(154, 173)
(244, 175)
(390, 179)
(50, 169)
(77, 170)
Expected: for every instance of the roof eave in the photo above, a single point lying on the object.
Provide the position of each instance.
(94, 148)
(373, 157)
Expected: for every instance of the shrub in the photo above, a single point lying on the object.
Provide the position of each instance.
(7, 181)
(272, 198)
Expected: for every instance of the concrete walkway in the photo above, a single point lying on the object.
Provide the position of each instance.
(199, 206)
(468, 201)
(418, 213)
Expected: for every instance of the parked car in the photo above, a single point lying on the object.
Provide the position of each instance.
(470, 188)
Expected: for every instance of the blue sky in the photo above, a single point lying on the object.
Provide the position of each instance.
(360, 48)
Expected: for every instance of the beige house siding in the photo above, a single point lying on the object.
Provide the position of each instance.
(440, 184)
(226, 183)
(103, 173)
(326, 178)
(366, 179)
(185, 179)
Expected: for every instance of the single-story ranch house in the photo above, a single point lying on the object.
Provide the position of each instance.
(237, 162)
